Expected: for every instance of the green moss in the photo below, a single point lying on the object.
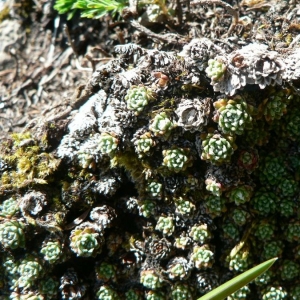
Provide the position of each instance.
(28, 164)
(4, 13)
(131, 163)
(20, 137)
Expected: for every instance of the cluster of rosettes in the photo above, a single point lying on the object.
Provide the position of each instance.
(198, 186)
(199, 52)
(253, 64)
(86, 240)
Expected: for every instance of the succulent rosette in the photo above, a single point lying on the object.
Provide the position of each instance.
(12, 235)
(240, 194)
(106, 271)
(154, 189)
(242, 293)
(107, 293)
(273, 292)
(181, 291)
(240, 262)
(213, 186)
(52, 251)
(215, 70)
(217, 148)
(30, 269)
(108, 143)
(233, 116)
(138, 97)
(200, 233)
(150, 279)
(161, 125)
(176, 159)
(9, 207)
(85, 242)
(48, 288)
(144, 143)
(165, 225)
(202, 257)
(178, 268)
(184, 207)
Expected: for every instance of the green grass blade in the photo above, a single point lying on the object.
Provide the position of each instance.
(238, 282)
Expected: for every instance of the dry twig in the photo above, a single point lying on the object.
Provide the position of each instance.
(169, 38)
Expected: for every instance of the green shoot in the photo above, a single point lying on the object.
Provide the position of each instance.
(90, 8)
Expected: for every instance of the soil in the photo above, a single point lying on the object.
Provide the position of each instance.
(45, 58)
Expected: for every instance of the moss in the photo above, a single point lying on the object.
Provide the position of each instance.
(4, 13)
(27, 163)
(130, 162)
(17, 138)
